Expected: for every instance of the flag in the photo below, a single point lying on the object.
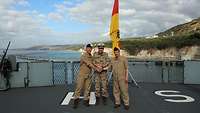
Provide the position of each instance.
(114, 26)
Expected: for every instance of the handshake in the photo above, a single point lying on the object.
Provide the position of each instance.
(100, 68)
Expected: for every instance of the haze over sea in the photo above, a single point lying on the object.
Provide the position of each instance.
(46, 54)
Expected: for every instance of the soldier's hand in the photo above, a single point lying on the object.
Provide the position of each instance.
(105, 68)
(99, 69)
(126, 81)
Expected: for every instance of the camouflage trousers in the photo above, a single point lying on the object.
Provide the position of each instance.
(101, 84)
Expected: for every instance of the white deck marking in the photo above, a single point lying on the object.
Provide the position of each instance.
(187, 98)
(67, 98)
(92, 98)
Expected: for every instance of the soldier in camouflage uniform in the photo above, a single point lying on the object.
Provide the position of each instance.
(101, 60)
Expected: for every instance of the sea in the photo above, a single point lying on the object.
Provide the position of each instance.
(61, 55)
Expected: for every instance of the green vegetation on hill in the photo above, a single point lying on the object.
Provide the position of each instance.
(133, 46)
(189, 27)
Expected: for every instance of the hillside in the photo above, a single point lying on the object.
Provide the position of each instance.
(186, 28)
(184, 43)
(74, 47)
(134, 46)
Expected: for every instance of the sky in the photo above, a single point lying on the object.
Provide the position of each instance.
(28, 23)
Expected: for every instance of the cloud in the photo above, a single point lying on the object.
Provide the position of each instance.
(127, 12)
(55, 16)
(26, 28)
(138, 17)
(23, 3)
(7, 3)
(23, 28)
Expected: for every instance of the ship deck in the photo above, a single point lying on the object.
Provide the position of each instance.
(142, 100)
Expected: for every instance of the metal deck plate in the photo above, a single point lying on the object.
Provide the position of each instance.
(142, 100)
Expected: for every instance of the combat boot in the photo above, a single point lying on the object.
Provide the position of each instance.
(97, 100)
(116, 105)
(86, 103)
(126, 107)
(104, 100)
(76, 101)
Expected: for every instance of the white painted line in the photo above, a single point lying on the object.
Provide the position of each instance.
(92, 98)
(67, 98)
(186, 98)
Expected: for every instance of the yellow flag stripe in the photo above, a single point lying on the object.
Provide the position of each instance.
(114, 24)
(114, 31)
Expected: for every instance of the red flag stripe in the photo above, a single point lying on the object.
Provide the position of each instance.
(116, 7)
